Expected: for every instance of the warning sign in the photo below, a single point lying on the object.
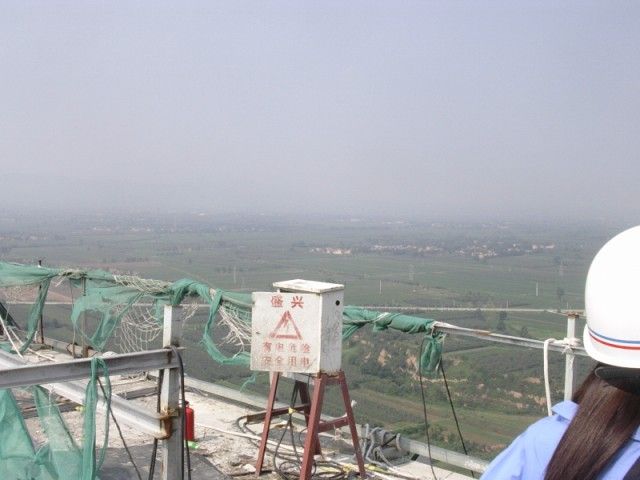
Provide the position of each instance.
(297, 331)
(286, 328)
(285, 332)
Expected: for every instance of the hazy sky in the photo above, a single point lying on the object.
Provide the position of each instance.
(479, 108)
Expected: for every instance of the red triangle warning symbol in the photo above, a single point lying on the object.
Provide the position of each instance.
(286, 328)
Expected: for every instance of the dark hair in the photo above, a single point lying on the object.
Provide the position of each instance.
(608, 414)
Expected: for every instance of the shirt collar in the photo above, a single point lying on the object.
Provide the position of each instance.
(567, 410)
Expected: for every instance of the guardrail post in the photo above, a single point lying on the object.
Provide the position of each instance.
(85, 346)
(569, 376)
(172, 467)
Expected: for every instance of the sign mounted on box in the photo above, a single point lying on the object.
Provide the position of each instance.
(297, 329)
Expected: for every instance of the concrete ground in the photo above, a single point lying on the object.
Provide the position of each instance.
(223, 449)
(117, 465)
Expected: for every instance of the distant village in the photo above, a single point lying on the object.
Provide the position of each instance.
(474, 249)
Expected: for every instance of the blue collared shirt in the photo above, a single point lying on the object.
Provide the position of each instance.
(528, 455)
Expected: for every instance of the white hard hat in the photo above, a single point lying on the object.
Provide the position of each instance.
(612, 301)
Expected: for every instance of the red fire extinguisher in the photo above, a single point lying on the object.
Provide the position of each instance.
(189, 423)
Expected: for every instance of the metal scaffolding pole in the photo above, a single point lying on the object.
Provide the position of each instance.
(569, 374)
(85, 347)
(172, 453)
(507, 339)
(41, 319)
(17, 373)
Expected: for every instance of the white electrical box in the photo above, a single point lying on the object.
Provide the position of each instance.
(297, 329)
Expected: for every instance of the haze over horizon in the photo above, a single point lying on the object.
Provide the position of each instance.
(430, 109)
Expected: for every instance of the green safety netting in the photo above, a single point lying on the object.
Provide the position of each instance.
(22, 458)
(354, 318)
(17, 456)
(111, 296)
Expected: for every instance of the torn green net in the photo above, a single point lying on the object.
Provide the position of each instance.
(61, 455)
(111, 296)
(17, 456)
(354, 318)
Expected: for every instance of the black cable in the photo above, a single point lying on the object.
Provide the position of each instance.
(424, 410)
(245, 429)
(293, 458)
(393, 437)
(295, 461)
(278, 468)
(120, 432)
(185, 442)
(453, 411)
(154, 451)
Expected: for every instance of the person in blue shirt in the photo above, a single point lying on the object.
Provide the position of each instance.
(596, 436)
